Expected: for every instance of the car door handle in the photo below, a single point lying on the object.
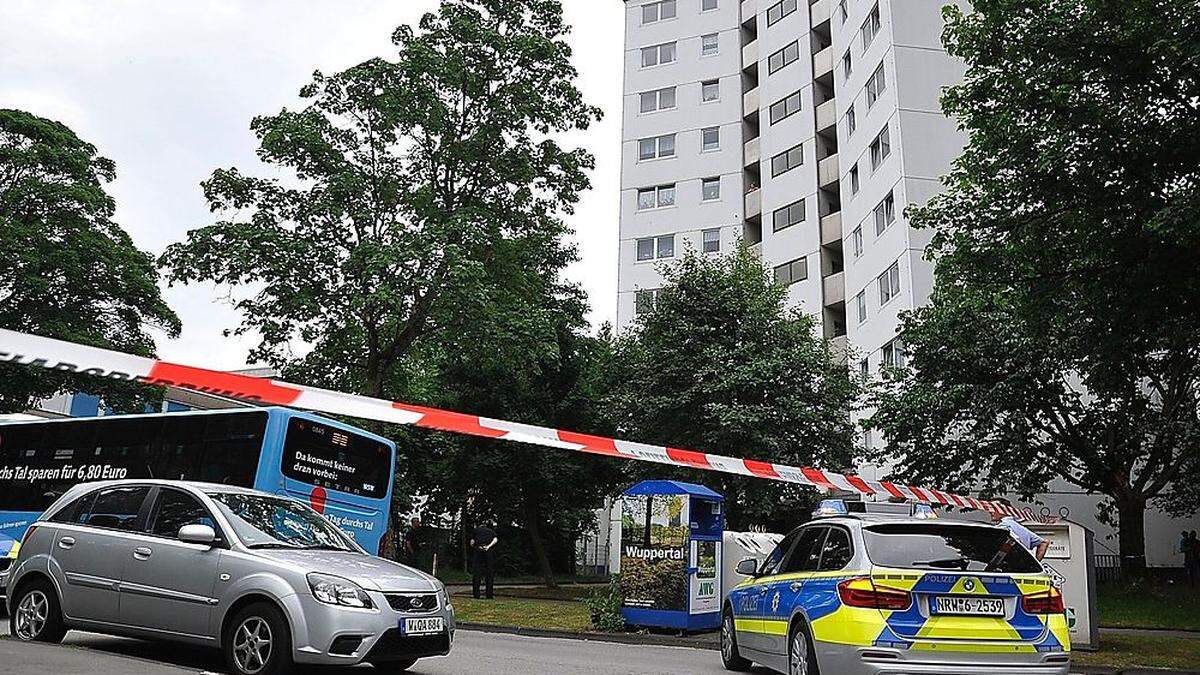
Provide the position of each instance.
(66, 542)
(142, 553)
(796, 586)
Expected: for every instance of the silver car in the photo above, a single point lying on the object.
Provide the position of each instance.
(264, 578)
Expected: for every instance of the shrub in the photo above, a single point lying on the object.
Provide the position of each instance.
(604, 606)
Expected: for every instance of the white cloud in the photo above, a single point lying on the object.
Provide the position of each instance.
(167, 91)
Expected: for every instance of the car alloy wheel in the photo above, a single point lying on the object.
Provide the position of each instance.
(32, 614)
(252, 645)
(727, 638)
(799, 660)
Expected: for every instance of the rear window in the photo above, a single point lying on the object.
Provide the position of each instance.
(947, 547)
(324, 455)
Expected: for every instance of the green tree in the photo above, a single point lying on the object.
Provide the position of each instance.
(549, 378)
(721, 365)
(419, 191)
(1063, 338)
(67, 270)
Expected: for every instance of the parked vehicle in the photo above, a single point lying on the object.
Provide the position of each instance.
(867, 594)
(263, 577)
(341, 471)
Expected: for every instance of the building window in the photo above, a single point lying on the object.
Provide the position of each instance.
(854, 180)
(658, 11)
(710, 189)
(710, 44)
(779, 10)
(708, 5)
(893, 354)
(659, 99)
(843, 11)
(889, 283)
(875, 86)
(665, 246)
(847, 65)
(658, 54)
(710, 139)
(871, 27)
(656, 197)
(860, 302)
(881, 147)
(782, 58)
(710, 91)
(712, 241)
(788, 216)
(864, 369)
(856, 241)
(792, 272)
(851, 121)
(786, 161)
(659, 147)
(785, 108)
(645, 249)
(885, 214)
(644, 301)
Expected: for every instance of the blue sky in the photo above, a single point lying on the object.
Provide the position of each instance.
(167, 91)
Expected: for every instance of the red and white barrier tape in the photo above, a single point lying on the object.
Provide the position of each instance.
(32, 350)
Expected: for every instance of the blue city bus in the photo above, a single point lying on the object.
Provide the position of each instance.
(343, 472)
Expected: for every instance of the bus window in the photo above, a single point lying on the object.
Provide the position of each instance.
(232, 445)
(176, 454)
(323, 455)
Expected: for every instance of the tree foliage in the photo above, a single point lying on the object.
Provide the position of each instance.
(1063, 336)
(67, 270)
(721, 365)
(420, 190)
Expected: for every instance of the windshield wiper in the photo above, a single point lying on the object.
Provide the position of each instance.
(944, 563)
(272, 544)
(323, 547)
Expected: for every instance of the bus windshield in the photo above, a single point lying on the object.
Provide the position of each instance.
(323, 455)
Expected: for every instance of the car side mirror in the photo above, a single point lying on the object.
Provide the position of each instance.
(197, 534)
(748, 567)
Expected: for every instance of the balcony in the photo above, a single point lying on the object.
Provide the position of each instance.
(827, 171)
(826, 115)
(834, 289)
(831, 229)
(752, 154)
(822, 63)
(750, 56)
(750, 103)
(749, 10)
(753, 204)
(819, 11)
(840, 348)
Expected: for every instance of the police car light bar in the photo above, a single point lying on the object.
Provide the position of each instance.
(923, 512)
(831, 507)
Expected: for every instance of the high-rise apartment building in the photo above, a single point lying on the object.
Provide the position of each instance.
(802, 128)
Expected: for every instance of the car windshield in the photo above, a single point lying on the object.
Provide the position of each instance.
(262, 521)
(947, 547)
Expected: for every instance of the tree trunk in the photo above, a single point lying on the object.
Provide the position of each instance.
(533, 527)
(1131, 523)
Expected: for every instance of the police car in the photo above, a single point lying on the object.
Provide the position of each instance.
(875, 594)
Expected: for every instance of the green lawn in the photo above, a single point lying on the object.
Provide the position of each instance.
(1173, 607)
(565, 593)
(457, 576)
(524, 613)
(1136, 651)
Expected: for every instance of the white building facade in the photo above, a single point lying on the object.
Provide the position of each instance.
(805, 129)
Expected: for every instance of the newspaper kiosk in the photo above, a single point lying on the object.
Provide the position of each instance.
(671, 556)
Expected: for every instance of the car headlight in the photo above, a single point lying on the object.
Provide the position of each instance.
(338, 591)
(444, 596)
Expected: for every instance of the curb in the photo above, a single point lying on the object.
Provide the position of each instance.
(648, 639)
(652, 640)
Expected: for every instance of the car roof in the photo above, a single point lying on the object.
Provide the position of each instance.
(194, 484)
(869, 519)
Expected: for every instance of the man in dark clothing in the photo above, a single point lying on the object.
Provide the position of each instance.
(414, 544)
(1191, 558)
(483, 558)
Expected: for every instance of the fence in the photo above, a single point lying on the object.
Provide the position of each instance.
(1108, 567)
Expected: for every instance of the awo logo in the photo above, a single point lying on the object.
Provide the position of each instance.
(635, 551)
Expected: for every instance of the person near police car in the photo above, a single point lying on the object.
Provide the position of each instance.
(483, 559)
(1036, 544)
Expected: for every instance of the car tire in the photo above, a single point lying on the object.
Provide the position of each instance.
(396, 666)
(730, 658)
(802, 658)
(37, 615)
(257, 641)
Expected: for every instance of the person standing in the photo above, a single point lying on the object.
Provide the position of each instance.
(1191, 557)
(1034, 543)
(415, 543)
(483, 559)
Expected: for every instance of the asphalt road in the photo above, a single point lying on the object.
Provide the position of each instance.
(474, 652)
